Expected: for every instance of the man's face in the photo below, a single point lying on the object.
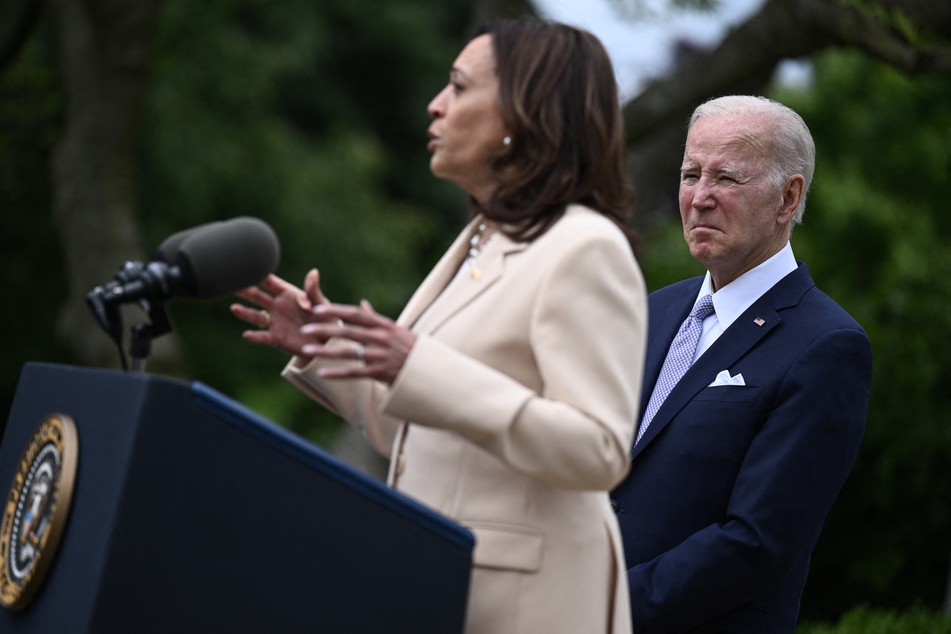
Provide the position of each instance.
(732, 215)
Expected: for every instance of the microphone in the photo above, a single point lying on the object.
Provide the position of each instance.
(205, 262)
(221, 258)
(167, 251)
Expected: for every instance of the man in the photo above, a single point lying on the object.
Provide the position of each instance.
(735, 469)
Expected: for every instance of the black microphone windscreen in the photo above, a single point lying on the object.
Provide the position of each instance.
(168, 250)
(223, 258)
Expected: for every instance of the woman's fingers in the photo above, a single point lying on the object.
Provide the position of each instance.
(264, 293)
(362, 315)
(312, 289)
(276, 285)
(255, 295)
(281, 309)
(377, 342)
(246, 314)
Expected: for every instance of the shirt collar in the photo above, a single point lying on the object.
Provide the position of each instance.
(732, 300)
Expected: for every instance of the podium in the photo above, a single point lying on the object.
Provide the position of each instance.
(190, 513)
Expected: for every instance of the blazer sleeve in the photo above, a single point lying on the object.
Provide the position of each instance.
(357, 401)
(788, 480)
(587, 335)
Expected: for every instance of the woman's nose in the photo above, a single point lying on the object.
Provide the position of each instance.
(436, 107)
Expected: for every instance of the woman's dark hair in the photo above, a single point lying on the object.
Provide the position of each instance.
(558, 97)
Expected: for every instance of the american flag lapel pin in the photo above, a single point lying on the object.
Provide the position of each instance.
(759, 321)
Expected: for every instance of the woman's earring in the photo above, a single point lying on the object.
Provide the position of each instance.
(507, 141)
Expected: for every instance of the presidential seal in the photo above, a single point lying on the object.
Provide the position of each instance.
(36, 509)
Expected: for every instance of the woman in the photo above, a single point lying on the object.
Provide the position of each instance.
(506, 393)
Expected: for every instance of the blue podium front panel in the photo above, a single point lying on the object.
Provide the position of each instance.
(193, 514)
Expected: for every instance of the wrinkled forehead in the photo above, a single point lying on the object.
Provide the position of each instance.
(739, 139)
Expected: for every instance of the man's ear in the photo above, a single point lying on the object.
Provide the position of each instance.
(792, 195)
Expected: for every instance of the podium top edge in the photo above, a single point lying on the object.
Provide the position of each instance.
(313, 456)
(281, 439)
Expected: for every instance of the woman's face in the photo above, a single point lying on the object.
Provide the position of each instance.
(467, 128)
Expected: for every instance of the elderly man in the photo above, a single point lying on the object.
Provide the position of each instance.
(755, 391)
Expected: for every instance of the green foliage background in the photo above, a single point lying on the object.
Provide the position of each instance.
(312, 116)
(31, 264)
(864, 620)
(877, 235)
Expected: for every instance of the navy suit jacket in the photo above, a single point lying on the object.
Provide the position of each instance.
(730, 485)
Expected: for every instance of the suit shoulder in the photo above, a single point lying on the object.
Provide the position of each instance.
(826, 312)
(676, 291)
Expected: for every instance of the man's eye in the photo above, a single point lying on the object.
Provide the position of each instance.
(689, 178)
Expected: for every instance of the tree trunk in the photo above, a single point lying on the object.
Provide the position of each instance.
(105, 52)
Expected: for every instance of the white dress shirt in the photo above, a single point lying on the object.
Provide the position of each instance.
(733, 299)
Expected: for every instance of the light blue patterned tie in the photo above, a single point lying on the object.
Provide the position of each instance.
(679, 358)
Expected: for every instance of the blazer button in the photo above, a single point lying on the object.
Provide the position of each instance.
(614, 505)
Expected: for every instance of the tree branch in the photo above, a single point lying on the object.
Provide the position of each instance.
(903, 33)
(895, 33)
(746, 57)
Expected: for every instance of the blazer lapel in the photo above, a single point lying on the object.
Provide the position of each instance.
(439, 277)
(438, 297)
(749, 328)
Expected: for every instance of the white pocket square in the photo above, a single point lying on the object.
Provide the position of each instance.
(724, 378)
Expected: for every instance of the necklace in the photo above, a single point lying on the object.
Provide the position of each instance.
(476, 244)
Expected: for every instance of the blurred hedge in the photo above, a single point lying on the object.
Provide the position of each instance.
(865, 620)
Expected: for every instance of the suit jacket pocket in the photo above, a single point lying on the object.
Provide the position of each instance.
(730, 393)
(507, 546)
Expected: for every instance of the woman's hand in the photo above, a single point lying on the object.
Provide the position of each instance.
(285, 308)
(380, 344)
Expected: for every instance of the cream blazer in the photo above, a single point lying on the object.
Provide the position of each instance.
(514, 414)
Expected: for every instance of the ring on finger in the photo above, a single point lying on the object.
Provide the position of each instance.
(267, 320)
(361, 353)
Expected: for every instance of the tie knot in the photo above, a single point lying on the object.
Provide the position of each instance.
(703, 308)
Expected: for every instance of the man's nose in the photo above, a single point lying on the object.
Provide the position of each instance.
(703, 195)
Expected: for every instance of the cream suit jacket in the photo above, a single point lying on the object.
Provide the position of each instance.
(514, 414)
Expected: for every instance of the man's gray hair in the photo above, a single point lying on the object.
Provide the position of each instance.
(794, 151)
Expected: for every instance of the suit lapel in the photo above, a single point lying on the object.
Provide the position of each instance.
(439, 297)
(749, 328)
(663, 328)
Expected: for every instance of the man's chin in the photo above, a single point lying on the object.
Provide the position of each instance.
(702, 251)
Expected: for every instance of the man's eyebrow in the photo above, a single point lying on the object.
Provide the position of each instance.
(726, 169)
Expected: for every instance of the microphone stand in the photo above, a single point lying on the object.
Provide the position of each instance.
(143, 333)
(109, 317)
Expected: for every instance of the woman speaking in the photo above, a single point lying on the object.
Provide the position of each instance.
(506, 393)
